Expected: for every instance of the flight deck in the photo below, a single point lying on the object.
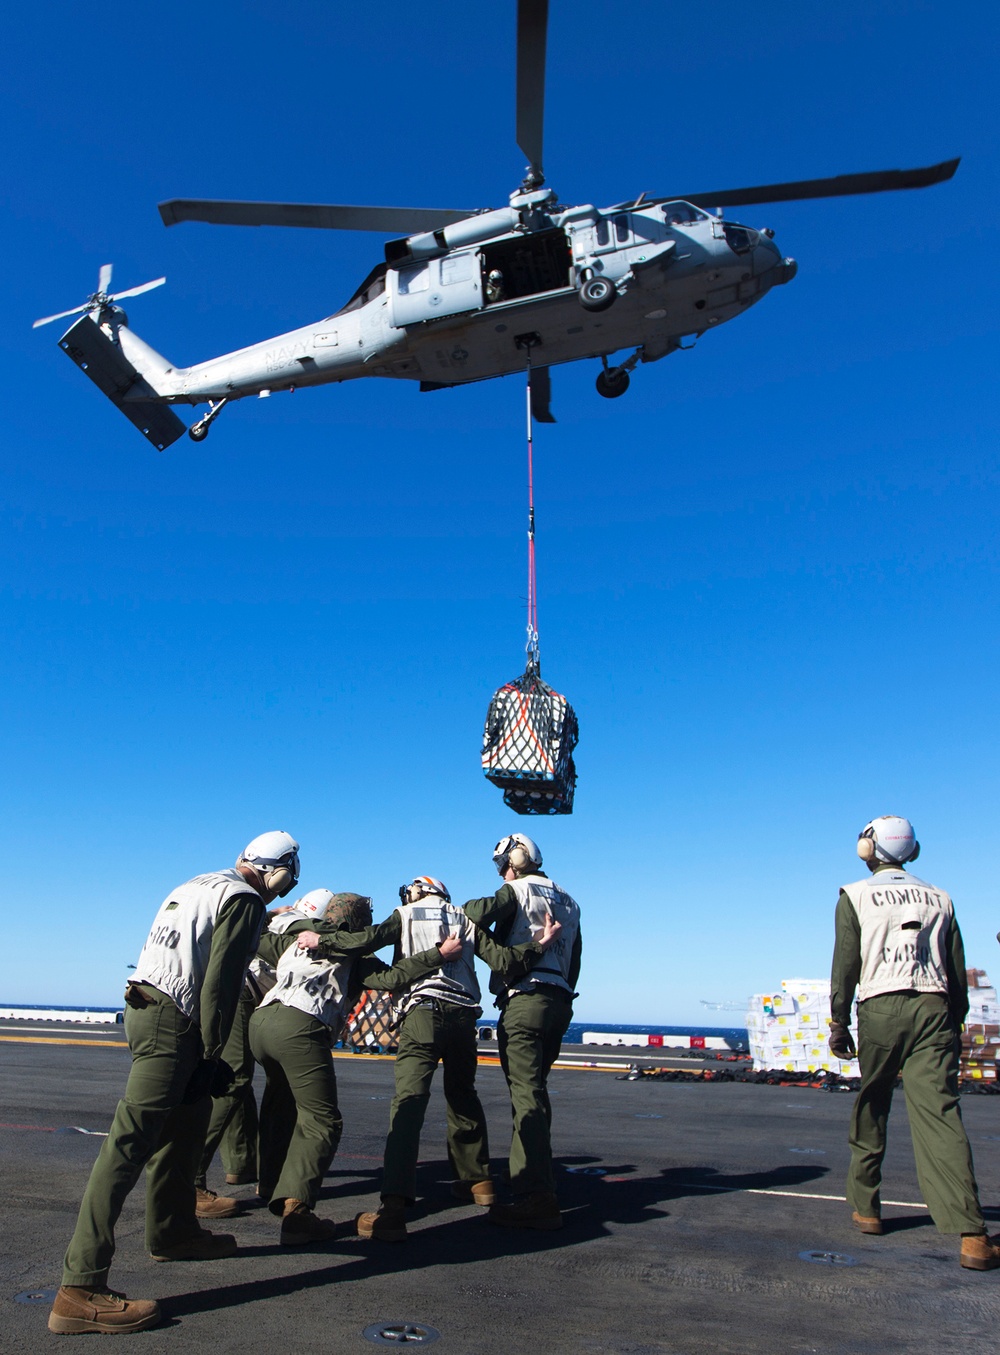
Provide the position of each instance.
(701, 1217)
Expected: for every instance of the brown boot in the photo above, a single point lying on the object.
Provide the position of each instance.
(300, 1226)
(540, 1211)
(209, 1205)
(979, 1253)
(478, 1192)
(388, 1224)
(79, 1309)
(867, 1224)
(204, 1246)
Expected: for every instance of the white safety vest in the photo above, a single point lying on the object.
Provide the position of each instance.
(175, 956)
(539, 897)
(314, 986)
(261, 978)
(422, 926)
(896, 957)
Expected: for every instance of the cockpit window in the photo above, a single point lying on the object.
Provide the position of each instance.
(603, 232)
(682, 213)
(740, 239)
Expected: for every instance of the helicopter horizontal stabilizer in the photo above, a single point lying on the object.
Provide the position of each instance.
(109, 369)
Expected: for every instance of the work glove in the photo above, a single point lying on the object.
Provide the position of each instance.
(222, 1079)
(841, 1041)
(211, 1077)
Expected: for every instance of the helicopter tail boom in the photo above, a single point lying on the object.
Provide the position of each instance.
(131, 390)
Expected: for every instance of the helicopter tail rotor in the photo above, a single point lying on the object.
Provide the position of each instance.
(102, 299)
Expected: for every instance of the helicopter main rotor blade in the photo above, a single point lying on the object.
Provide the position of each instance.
(61, 315)
(104, 278)
(843, 185)
(137, 291)
(532, 26)
(323, 216)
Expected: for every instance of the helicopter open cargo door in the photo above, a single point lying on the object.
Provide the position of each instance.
(435, 287)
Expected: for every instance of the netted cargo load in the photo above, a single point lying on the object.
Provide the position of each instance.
(528, 744)
(371, 1026)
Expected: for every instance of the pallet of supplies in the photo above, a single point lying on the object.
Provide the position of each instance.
(788, 1030)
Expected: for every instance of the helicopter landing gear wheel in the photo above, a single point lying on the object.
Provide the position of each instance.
(198, 432)
(612, 383)
(597, 293)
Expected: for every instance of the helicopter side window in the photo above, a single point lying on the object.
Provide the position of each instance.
(603, 232)
(413, 280)
(622, 229)
(682, 213)
(740, 239)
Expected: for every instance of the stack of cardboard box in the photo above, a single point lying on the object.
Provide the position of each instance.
(981, 1037)
(789, 1030)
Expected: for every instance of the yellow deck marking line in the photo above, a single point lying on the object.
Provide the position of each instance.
(51, 1039)
(793, 1194)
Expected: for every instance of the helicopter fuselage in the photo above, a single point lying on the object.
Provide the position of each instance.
(446, 315)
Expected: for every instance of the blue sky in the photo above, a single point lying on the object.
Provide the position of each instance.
(767, 574)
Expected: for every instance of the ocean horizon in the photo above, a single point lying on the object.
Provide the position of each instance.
(574, 1035)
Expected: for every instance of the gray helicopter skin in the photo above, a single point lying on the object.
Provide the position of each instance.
(430, 321)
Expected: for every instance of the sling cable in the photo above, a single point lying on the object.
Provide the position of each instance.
(531, 730)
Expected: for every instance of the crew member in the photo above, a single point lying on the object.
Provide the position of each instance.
(534, 1015)
(321, 971)
(898, 944)
(437, 1016)
(179, 1010)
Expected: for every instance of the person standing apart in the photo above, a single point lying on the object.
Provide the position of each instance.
(321, 970)
(899, 946)
(534, 1015)
(179, 1010)
(437, 1024)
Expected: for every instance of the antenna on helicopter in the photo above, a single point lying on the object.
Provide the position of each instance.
(101, 299)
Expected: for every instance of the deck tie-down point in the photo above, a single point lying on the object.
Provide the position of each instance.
(399, 1333)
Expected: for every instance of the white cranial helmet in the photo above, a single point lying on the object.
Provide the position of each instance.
(518, 851)
(314, 903)
(889, 839)
(423, 885)
(276, 856)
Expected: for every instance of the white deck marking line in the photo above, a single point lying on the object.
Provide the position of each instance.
(794, 1194)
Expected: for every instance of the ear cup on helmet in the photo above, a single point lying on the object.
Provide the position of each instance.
(866, 848)
(518, 857)
(280, 880)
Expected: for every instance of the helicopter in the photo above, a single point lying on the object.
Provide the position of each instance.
(468, 295)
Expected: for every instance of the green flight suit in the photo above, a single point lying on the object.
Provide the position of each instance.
(232, 1129)
(438, 1031)
(913, 1036)
(529, 1034)
(300, 1122)
(152, 1127)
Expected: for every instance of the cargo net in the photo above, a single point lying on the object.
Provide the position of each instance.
(371, 1024)
(528, 744)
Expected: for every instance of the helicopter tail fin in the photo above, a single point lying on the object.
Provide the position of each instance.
(131, 375)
